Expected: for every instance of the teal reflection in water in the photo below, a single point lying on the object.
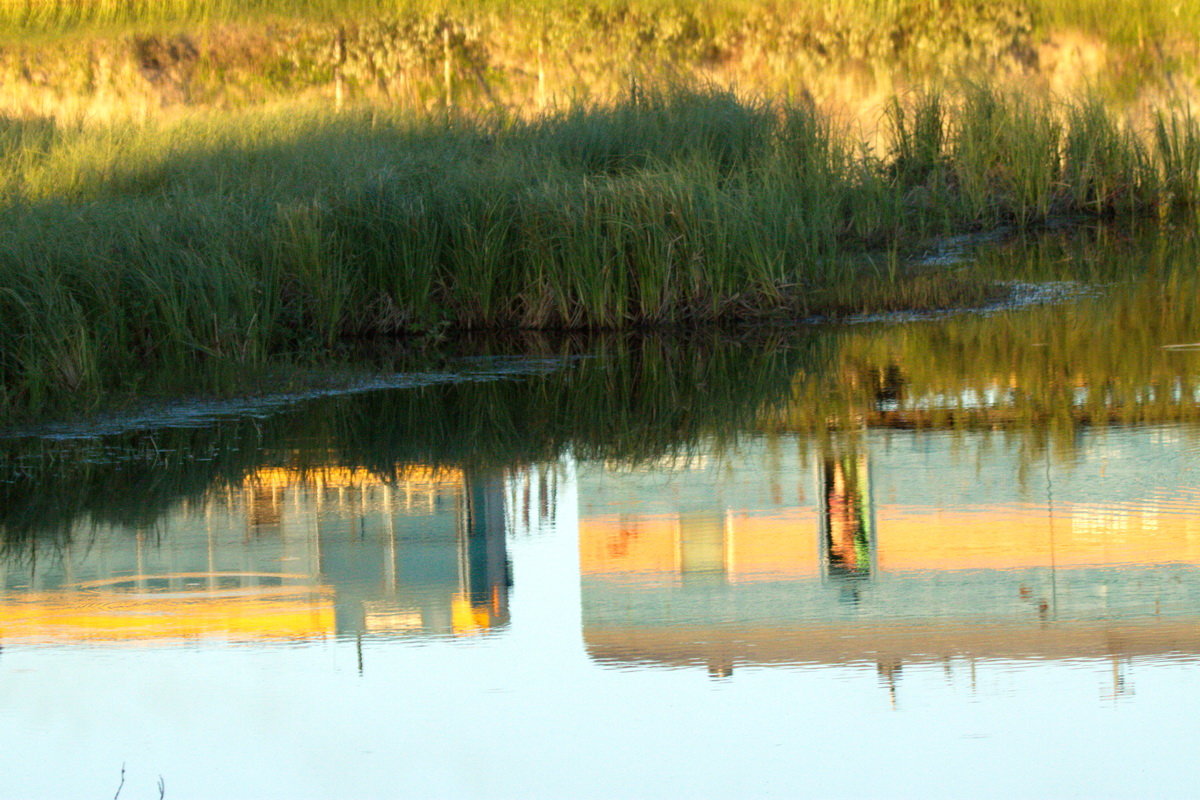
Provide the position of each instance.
(283, 556)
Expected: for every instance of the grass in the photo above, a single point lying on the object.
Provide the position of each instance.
(112, 57)
(1132, 20)
(237, 238)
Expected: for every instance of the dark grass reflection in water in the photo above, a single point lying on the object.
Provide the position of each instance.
(371, 515)
(973, 538)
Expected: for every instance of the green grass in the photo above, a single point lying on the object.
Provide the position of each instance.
(134, 250)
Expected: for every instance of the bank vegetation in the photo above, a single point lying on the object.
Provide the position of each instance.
(131, 251)
(106, 59)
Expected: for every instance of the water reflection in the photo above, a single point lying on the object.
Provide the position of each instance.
(890, 506)
(847, 520)
(981, 485)
(895, 547)
(384, 514)
(283, 555)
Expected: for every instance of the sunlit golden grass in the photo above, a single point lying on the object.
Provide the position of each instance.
(1131, 20)
(107, 58)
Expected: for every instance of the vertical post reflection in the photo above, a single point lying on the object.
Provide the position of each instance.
(847, 520)
(482, 598)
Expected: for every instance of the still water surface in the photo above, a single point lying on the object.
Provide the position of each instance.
(957, 557)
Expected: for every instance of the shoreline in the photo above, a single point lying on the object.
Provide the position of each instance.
(143, 415)
(136, 253)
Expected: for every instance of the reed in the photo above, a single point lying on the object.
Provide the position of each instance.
(236, 238)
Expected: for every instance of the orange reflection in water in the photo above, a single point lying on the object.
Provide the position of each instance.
(113, 616)
(755, 546)
(1011, 537)
(849, 581)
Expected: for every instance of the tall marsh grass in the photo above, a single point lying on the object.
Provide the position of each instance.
(235, 238)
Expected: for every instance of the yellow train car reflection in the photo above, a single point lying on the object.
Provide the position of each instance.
(846, 581)
(284, 554)
(124, 611)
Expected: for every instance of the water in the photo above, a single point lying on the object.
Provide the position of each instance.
(955, 557)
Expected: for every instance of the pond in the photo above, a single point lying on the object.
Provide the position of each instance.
(953, 556)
